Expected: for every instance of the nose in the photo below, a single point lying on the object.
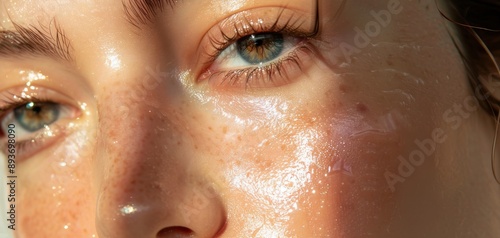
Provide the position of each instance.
(151, 183)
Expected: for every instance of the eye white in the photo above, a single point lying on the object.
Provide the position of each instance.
(230, 59)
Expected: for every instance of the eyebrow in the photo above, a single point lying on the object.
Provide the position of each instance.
(35, 40)
(142, 12)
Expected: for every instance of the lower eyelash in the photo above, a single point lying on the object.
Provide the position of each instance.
(271, 75)
(263, 73)
(27, 145)
(26, 148)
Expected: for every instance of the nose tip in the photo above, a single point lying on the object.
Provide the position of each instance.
(184, 232)
(185, 213)
(152, 186)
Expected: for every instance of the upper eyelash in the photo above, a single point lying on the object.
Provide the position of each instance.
(11, 103)
(290, 27)
(139, 13)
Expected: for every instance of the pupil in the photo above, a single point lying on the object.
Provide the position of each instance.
(37, 109)
(259, 43)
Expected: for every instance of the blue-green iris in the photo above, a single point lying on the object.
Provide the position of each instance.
(260, 48)
(34, 116)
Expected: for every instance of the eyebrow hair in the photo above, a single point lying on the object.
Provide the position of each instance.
(35, 40)
(142, 12)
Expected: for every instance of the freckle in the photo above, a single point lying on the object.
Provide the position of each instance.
(360, 107)
(195, 147)
(309, 121)
(239, 138)
(224, 130)
(210, 128)
(343, 88)
(283, 147)
(389, 62)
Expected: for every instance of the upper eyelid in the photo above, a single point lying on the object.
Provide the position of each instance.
(254, 29)
(13, 105)
(292, 23)
(48, 81)
(43, 94)
(241, 31)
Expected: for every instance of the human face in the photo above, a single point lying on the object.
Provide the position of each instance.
(157, 126)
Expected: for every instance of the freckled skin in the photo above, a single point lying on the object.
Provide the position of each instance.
(305, 159)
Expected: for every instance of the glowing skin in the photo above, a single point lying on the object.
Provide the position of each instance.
(155, 153)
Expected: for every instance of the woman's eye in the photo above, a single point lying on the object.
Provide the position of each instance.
(255, 50)
(260, 48)
(262, 60)
(34, 125)
(34, 116)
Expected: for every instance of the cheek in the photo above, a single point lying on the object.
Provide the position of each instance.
(272, 173)
(320, 164)
(317, 160)
(57, 191)
(362, 138)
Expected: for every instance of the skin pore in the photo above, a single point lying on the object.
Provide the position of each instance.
(374, 136)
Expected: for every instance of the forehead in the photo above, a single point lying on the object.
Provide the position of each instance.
(42, 12)
(30, 10)
(34, 11)
(105, 20)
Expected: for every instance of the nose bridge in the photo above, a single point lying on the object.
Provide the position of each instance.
(132, 168)
(147, 187)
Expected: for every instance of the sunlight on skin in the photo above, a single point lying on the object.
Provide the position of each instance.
(148, 149)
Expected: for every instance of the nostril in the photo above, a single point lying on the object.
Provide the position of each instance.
(176, 231)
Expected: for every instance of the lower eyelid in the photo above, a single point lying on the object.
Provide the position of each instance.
(293, 64)
(43, 139)
(40, 140)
